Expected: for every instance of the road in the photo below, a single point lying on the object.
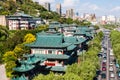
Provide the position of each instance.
(107, 59)
(107, 49)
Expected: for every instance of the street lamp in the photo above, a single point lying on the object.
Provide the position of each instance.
(83, 51)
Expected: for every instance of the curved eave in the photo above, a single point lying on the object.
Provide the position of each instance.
(44, 46)
(57, 68)
(71, 47)
(24, 69)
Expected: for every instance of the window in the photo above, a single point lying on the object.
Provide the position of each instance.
(49, 51)
(60, 52)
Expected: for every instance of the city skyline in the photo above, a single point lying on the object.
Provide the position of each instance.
(102, 7)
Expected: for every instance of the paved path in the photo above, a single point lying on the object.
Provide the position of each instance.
(2, 73)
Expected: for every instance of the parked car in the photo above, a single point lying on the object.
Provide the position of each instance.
(104, 57)
(118, 74)
(98, 72)
(117, 65)
(104, 60)
(112, 75)
(99, 55)
(111, 69)
(103, 75)
(103, 68)
(104, 64)
(111, 64)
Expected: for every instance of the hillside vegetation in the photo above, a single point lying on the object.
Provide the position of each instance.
(9, 7)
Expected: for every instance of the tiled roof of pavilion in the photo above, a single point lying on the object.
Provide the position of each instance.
(49, 40)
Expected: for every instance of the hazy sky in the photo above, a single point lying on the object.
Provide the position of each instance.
(99, 7)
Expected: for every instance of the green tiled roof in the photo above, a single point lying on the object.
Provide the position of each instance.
(65, 25)
(74, 40)
(32, 60)
(74, 25)
(57, 68)
(13, 18)
(83, 33)
(86, 29)
(53, 56)
(80, 32)
(49, 40)
(38, 44)
(20, 78)
(70, 39)
(22, 14)
(71, 47)
(54, 24)
(80, 40)
(24, 68)
(88, 34)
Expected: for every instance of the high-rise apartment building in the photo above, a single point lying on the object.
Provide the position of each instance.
(47, 6)
(70, 13)
(58, 9)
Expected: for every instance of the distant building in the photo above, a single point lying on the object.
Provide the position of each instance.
(111, 18)
(58, 9)
(47, 6)
(2, 20)
(70, 13)
(118, 20)
(104, 18)
(89, 17)
(20, 21)
(108, 19)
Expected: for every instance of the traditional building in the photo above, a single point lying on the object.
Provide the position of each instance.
(54, 47)
(53, 51)
(55, 27)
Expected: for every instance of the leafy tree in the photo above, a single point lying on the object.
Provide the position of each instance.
(115, 40)
(69, 21)
(21, 49)
(9, 68)
(71, 76)
(29, 38)
(9, 59)
(96, 27)
(9, 56)
(4, 34)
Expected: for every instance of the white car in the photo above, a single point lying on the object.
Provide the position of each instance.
(111, 64)
(112, 75)
(111, 54)
(104, 60)
(111, 69)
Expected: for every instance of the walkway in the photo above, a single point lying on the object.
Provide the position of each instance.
(2, 73)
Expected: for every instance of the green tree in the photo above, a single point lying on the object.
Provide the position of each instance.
(9, 56)
(9, 68)
(9, 59)
(4, 34)
(29, 38)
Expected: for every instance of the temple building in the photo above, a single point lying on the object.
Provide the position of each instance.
(54, 50)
